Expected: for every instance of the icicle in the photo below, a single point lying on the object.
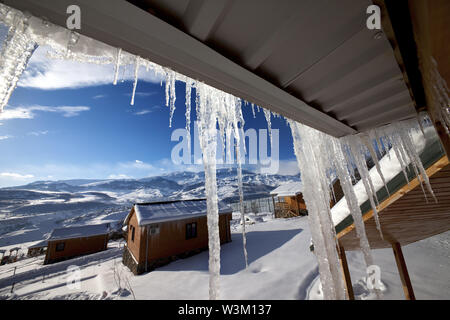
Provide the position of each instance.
(307, 147)
(188, 112)
(170, 93)
(238, 132)
(419, 121)
(15, 54)
(369, 146)
(207, 119)
(117, 66)
(355, 146)
(253, 111)
(136, 70)
(415, 159)
(401, 160)
(267, 114)
(352, 201)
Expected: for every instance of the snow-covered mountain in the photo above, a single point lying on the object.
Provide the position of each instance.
(174, 185)
(29, 212)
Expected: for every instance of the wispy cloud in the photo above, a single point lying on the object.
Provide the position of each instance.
(48, 74)
(38, 133)
(29, 112)
(99, 96)
(16, 176)
(146, 111)
(5, 137)
(142, 94)
(119, 176)
(142, 112)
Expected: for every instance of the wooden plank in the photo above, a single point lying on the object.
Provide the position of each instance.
(346, 272)
(436, 167)
(403, 271)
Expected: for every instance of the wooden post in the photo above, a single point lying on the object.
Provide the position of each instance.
(403, 271)
(346, 272)
(273, 200)
(12, 287)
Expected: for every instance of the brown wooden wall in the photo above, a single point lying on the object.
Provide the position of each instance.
(171, 239)
(295, 203)
(75, 247)
(134, 246)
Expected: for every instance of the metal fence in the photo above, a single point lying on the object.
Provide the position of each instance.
(255, 205)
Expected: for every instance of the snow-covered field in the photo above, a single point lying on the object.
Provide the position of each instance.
(280, 267)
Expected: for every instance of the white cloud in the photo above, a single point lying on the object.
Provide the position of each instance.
(28, 112)
(38, 133)
(119, 176)
(145, 111)
(48, 74)
(142, 112)
(5, 137)
(16, 176)
(142, 94)
(99, 96)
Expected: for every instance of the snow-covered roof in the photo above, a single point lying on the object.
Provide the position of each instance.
(39, 244)
(79, 232)
(154, 212)
(288, 189)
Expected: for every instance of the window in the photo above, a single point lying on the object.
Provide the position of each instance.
(132, 233)
(60, 246)
(191, 230)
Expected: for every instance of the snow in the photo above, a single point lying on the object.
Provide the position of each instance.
(317, 154)
(79, 232)
(288, 189)
(280, 267)
(39, 244)
(172, 210)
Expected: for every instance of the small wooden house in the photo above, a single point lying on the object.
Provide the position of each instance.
(66, 243)
(37, 248)
(288, 199)
(160, 232)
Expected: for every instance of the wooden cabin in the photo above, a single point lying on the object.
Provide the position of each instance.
(405, 215)
(288, 199)
(66, 243)
(160, 232)
(37, 248)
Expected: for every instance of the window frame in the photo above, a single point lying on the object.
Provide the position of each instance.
(191, 230)
(58, 246)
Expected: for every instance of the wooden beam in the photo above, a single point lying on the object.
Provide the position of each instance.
(429, 22)
(346, 273)
(403, 271)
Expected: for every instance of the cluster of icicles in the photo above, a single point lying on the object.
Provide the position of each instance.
(320, 157)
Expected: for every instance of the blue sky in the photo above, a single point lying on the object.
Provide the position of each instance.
(67, 120)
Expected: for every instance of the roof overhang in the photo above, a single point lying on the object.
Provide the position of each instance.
(312, 62)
